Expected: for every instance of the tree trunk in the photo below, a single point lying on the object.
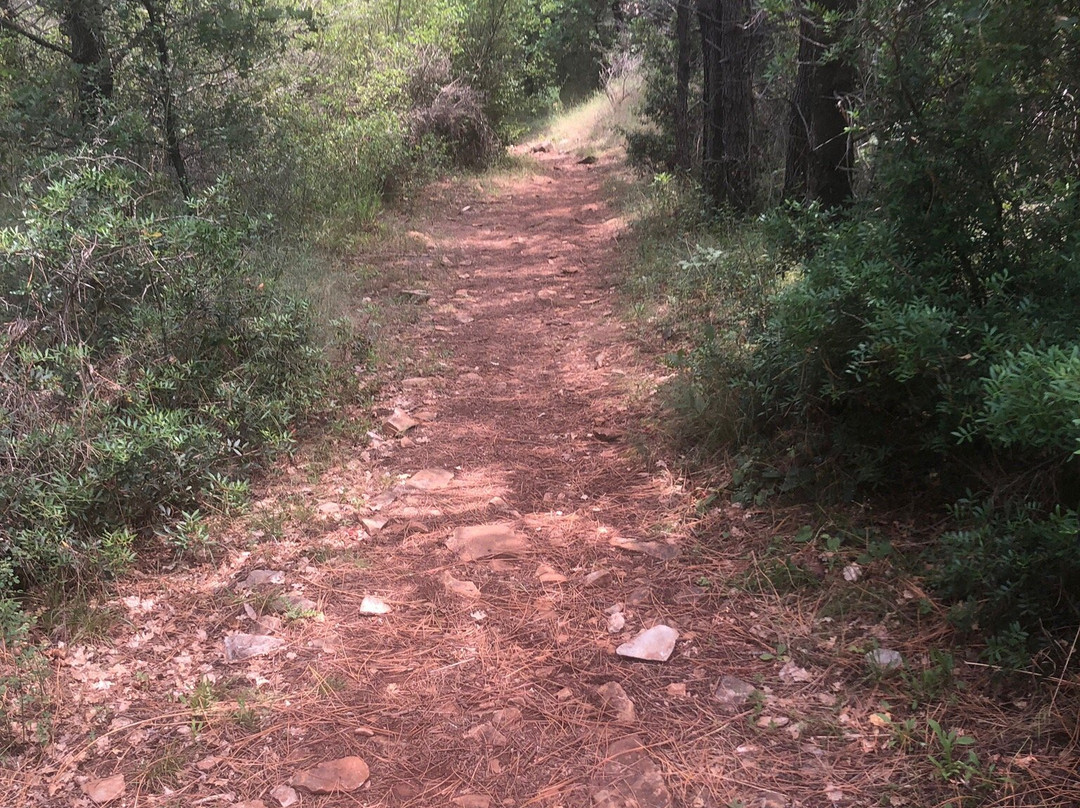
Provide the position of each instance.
(82, 22)
(711, 118)
(819, 156)
(683, 155)
(729, 46)
(170, 122)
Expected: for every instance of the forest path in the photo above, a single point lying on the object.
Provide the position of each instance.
(445, 603)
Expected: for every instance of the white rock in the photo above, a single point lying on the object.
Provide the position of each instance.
(655, 644)
(885, 659)
(285, 796)
(372, 606)
(616, 623)
(239, 647)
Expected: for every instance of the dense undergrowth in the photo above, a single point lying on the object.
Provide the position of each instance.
(920, 341)
(821, 383)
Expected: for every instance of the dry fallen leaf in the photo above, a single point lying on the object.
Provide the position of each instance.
(105, 790)
(880, 719)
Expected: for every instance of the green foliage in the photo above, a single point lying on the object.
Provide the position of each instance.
(144, 363)
(1011, 569)
(652, 146)
(945, 748)
(577, 36)
(927, 335)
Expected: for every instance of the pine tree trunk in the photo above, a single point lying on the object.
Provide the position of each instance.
(683, 149)
(818, 165)
(83, 25)
(729, 45)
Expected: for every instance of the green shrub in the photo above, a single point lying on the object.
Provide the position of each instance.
(143, 363)
(1014, 572)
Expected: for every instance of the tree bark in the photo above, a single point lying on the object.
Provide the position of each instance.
(711, 118)
(729, 47)
(818, 165)
(167, 95)
(82, 22)
(683, 151)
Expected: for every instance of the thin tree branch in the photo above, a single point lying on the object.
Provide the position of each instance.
(10, 25)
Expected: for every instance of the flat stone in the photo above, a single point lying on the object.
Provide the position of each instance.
(106, 789)
(373, 525)
(472, 801)
(615, 700)
(430, 480)
(414, 295)
(654, 644)
(773, 721)
(506, 717)
(598, 578)
(401, 422)
(486, 734)
(773, 799)
(239, 647)
(257, 578)
(343, 774)
(549, 575)
(372, 606)
(296, 602)
(733, 693)
(655, 549)
(285, 796)
(628, 778)
(463, 589)
(486, 541)
(792, 673)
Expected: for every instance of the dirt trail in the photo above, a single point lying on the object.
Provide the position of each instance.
(492, 682)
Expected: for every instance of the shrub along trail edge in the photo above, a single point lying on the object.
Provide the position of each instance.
(438, 609)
